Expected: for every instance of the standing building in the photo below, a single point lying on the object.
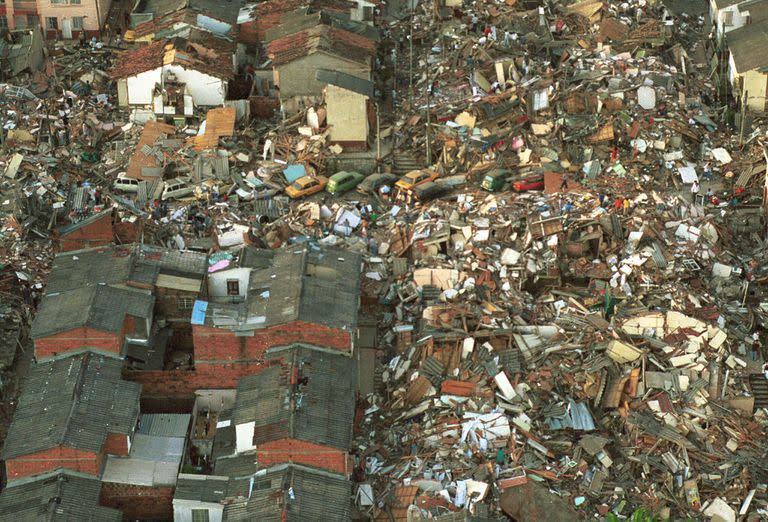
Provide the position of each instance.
(72, 413)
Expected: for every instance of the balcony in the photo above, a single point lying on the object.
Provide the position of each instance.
(19, 5)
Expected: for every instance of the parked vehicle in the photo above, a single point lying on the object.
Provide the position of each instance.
(374, 182)
(494, 180)
(306, 185)
(343, 181)
(430, 190)
(414, 178)
(125, 184)
(177, 188)
(529, 183)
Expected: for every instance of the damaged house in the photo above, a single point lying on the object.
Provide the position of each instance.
(174, 76)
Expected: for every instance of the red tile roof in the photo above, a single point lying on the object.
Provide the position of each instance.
(333, 40)
(139, 60)
(266, 15)
(210, 57)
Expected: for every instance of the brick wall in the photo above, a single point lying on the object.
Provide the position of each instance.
(184, 383)
(116, 444)
(95, 234)
(218, 344)
(138, 502)
(307, 453)
(48, 460)
(76, 339)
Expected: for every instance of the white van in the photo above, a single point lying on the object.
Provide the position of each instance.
(126, 184)
(177, 188)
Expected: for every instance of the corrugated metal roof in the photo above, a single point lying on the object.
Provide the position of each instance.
(139, 472)
(203, 488)
(101, 307)
(74, 402)
(311, 284)
(164, 424)
(318, 406)
(345, 81)
(300, 493)
(62, 496)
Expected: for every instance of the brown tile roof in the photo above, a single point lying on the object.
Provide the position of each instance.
(139, 60)
(210, 56)
(266, 15)
(321, 38)
(153, 131)
(185, 16)
(398, 504)
(218, 122)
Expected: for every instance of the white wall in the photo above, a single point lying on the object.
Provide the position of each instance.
(140, 87)
(217, 282)
(738, 19)
(244, 437)
(205, 89)
(182, 510)
(347, 114)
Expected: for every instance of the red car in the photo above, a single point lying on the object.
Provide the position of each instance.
(531, 183)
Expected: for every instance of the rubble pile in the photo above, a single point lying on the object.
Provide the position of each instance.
(570, 323)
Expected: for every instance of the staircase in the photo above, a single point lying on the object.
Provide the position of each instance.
(404, 163)
(759, 385)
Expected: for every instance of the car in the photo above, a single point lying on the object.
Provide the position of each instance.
(343, 181)
(530, 183)
(374, 182)
(414, 178)
(306, 185)
(494, 180)
(430, 190)
(125, 184)
(177, 188)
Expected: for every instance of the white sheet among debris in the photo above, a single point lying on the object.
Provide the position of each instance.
(483, 428)
(687, 174)
(689, 233)
(721, 155)
(646, 97)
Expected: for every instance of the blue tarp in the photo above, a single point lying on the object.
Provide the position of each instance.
(198, 312)
(294, 172)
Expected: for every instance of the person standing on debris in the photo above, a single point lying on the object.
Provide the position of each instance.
(618, 204)
(474, 21)
(269, 148)
(695, 190)
(626, 206)
(755, 345)
(708, 171)
(564, 182)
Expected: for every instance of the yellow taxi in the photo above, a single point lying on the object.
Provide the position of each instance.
(414, 178)
(306, 185)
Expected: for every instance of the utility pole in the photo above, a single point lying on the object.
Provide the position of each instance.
(378, 140)
(430, 93)
(742, 123)
(410, 44)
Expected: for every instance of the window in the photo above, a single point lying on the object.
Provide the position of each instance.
(3, 22)
(185, 303)
(77, 22)
(233, 287)
(367, 13)
(728, 18)
(51, 23)
(32, 20)
(200, 515)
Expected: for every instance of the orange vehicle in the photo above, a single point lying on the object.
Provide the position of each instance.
(306, 185)
(414, 178)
